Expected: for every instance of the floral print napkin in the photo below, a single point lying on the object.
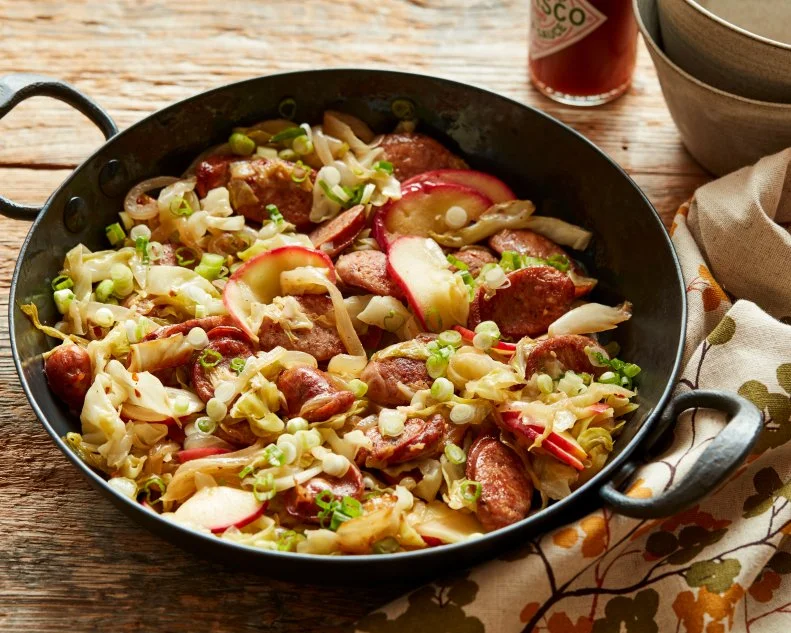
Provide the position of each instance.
(723, 565)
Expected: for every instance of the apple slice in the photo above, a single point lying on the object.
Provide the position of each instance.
(189, 454)
(217, 508)
(422, 208)
(559, 447)
(258, 280)
(467, 335)
(437, 296)
(493, 188)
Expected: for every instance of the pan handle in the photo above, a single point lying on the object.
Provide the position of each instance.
(728, 449)
(20, 86)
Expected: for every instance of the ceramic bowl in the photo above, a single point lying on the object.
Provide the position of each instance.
(740, 46)
(722, 131)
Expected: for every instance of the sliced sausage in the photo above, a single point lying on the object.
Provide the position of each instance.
(506, 490)
(207, 323)
(255, 183)
(413, 154)
(313, 394)
(536, 297)
(239, 434)
(68, 370)
(229, 346)
(476, 257)
(367, 270)
(168, 256)
(334, 235)
(421, 438)
(213, 172)
(391, 380)
(300, 501)
(525, 242)
(560, 353)
(321, 341)
(532, 244)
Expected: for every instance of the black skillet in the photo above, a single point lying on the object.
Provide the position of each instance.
(539, 157)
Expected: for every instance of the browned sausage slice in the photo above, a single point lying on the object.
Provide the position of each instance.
(239, 434)
(476, 257)
(560, 353)
(300, 501)
(206, 323)
(334, 235)
(383, 378)
(506, 490)
(367, 270)
(413, 154)
(228, 346)
(525, 242)
(421, 438)
(321, 341)
(68, 370)
(532, 244)
(536, 297)
(313, 394)
(255, 183)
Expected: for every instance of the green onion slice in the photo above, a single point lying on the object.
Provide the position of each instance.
(62, 282)
(288, 134)
(455, 454)
(180, 207)
(185, 256)
(237, 364)
(385, 166)
(274, 214)
(115, 234)
(470, 490)
(141, 247)
(300, 172)
(455, 261)
(403, 109)
(210, 358)
(264, 487)
(287, 108)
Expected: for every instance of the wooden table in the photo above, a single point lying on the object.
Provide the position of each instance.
(68, 560)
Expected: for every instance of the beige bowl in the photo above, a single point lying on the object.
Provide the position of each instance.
(722, 131)
(740, 46)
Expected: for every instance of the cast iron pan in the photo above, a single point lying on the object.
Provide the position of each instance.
(539, 157)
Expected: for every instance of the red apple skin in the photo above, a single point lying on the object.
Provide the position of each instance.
(554, 444)
(493, 188)
(474, 200)
(432, 541)
(467, 335)
(243, 522)
(320, 258)
(312, 258)
(189, 454)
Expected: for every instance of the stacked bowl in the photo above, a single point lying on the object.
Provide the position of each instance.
(725, 71)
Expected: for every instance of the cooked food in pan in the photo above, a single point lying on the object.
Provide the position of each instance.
(328, 341)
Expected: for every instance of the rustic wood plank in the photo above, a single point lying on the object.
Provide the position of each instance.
(69, 559)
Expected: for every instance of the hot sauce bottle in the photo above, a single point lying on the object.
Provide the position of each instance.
(582, 52)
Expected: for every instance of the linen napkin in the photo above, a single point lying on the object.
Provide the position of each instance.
(723, 565)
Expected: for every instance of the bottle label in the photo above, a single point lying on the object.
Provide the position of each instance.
(557, 24)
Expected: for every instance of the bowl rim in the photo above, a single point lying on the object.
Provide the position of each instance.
(654, 45)
(736, 28)
(167, 529)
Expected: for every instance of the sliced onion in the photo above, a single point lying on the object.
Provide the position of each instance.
(590, 318)
(560, 232)
(150, 209)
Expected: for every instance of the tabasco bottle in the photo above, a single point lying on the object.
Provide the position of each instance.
(582, 52)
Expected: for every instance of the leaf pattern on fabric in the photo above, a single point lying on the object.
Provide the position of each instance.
(708, 612)
(632, 615)
(776, 408)
(716, 576)
(768, 488)
(711, 292)
(431, 609)
(723, 332)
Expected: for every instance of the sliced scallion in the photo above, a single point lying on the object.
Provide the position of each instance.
(209, 358)
(115, 234)
(241, 144)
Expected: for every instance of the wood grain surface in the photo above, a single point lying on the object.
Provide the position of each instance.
(68, 560)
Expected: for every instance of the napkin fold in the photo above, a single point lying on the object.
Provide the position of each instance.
(723, 565)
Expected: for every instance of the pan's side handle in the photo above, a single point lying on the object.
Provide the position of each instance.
(18, 87)
(722, 456)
